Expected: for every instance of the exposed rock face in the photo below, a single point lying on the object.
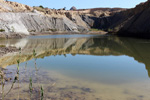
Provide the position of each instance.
(19, 18)
(95, 22)
(137, 24)
(131, 22)
(22, 19)
(76, 18)
(31, 22)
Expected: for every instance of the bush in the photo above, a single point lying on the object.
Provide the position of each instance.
(110, 30)
(53, 30)
(39, 9)
(2, 46)
(2, 30)
(94, 29)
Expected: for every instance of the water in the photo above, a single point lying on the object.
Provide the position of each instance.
(78, 67)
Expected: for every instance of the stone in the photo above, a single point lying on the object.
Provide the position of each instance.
(73, 8)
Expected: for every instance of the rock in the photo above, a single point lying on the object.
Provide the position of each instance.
(73, 8)
(74, 17)
(32, 22)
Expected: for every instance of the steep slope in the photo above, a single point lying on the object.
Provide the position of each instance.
(130, 22)
(138, 24)
(22, 19)
(32, 22)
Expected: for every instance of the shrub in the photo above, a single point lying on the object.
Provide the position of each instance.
(110, 30)
(2, 46)
(39, 9)
(2, 30)
(95, 29)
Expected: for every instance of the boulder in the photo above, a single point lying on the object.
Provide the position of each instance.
(73, 8)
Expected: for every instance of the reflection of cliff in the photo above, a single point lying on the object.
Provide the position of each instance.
(90, 46)
(57, 46)
(139, 50)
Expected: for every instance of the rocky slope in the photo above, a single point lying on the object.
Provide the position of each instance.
(130, 22)
(19, 18)
(138, 23)
(23, 19)
(33, 22)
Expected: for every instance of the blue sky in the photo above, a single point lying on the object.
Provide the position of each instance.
(81, 3)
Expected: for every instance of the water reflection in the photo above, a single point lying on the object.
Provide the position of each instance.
(101, 46)
(107, 59)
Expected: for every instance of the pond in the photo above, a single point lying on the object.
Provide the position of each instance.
(76, 67)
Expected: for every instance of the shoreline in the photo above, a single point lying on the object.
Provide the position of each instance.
(4, 36)
(19, 35)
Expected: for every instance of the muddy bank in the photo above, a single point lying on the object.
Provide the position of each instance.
(17, 35)
(66, 33)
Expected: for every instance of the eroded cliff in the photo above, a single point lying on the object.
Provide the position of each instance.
(19, 18)
(23, 19)
(130, 22)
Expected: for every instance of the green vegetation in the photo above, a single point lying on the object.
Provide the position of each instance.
(2, 30)
(32, 89)
(53, 30)
(32, 30)
(18, 62)
(110, 30)
(42, 93)
(30, 85)
(39, 9)
(95, 29)
(2, 46)
(34, 53)
(116, 29)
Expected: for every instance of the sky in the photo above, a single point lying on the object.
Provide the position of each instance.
(81, 4)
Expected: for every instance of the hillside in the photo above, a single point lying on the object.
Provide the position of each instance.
(22, 19)
(138, 23)
(130, 22)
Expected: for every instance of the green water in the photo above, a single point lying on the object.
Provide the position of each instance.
(78, 67)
